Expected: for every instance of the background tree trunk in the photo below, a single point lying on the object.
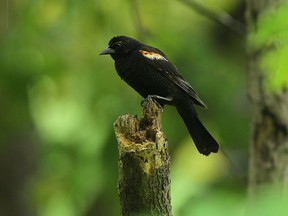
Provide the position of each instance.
(268, 163)
(144, 181)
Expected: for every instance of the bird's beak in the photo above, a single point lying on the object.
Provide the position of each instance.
(107, 51)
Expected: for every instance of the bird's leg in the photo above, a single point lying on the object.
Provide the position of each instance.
(157, 99)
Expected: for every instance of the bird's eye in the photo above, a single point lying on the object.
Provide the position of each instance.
(118, 44)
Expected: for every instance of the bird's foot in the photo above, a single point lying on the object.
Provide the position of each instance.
(157, 99)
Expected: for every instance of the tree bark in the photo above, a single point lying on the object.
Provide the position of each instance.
(144, 163)
(268, 165)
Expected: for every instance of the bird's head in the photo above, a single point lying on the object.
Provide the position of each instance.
(120, 46)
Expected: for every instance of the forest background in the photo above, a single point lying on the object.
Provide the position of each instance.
(59, 99)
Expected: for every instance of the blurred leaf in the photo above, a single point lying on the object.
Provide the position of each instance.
(267, 34)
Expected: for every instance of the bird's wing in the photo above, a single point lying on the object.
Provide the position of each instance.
(159, 61)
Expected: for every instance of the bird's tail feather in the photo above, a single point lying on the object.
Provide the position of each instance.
(203, 140)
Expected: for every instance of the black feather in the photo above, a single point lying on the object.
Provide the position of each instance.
(147, 70)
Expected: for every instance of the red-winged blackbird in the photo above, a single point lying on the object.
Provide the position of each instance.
(150, 73)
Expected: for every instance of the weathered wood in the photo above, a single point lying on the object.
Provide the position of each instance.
(144, 163)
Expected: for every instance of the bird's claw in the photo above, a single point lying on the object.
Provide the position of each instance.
(155, 99)
(145, 102)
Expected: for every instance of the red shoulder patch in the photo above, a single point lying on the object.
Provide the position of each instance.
(152, 55)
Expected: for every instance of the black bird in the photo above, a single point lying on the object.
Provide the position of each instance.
(147, 70)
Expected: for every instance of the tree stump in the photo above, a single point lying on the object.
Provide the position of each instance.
(144, 163)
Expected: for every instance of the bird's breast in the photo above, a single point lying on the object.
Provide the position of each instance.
(145, 79)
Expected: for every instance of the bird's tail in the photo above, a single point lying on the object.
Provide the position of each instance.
(203, 140)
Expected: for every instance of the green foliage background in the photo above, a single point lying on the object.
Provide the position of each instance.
(59, 99)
